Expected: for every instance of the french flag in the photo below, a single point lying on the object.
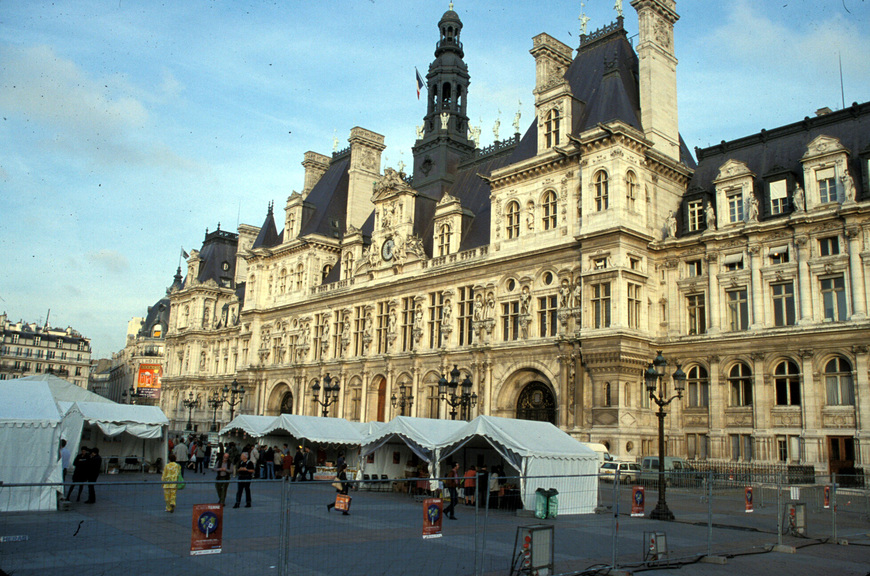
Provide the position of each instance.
(419, 82)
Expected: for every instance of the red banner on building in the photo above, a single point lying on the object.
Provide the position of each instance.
(149, 380)
(433, 512)
(206, 533)
(638, 497)
(747, 494)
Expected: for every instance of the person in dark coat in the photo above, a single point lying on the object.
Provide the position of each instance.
(94, 466)
(310, 464)
(80, 472)
(299, 465)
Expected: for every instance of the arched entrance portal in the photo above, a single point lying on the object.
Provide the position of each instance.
(382, 400)
(286, 406)
(536, 402)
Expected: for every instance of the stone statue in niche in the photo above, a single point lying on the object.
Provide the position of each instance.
(478, 307)
(710, 214)
(671, 225)
(753, 208)
(525, 301)
(445, 120)
(848, 188)
(798, 199)
(564, 294)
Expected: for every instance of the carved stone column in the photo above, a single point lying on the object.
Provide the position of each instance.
(804, 289)
(718, 401)
(756, 290)
(364, 397)
(862, 403)
(713, 289)
(856, 274)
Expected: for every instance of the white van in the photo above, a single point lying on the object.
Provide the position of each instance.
(600, 450)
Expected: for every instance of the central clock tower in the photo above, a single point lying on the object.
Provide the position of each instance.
(393, 241)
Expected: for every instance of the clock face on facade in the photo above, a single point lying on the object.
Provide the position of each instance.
(387, 249)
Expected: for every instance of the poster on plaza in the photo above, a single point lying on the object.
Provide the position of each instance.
(433, 512)
(637, 500)
(827, 503)
(206, 533)
(148, 380)
(748, 497)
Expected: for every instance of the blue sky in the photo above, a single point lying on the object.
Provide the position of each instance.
(129, 127)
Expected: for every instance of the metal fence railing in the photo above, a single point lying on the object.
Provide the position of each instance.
(289, 528)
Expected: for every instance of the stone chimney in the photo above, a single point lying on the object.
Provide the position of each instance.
(315, 167)
(365, 169)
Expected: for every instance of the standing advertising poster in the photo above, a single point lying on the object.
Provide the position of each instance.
(827, 497)
(433, 512)
(748, 496)
(149, 379)
(637, 500)
(206, 533)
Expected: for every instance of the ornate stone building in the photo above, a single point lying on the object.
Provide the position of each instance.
(552, 265)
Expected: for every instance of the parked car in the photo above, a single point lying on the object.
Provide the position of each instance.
(677, 471)
(629, 472)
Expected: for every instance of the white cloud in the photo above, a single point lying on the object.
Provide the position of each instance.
(110, 260)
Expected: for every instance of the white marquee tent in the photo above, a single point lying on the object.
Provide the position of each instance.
(30, 428)
(407, 435)
(542, 454)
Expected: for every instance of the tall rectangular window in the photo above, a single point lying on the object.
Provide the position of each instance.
(696, 215)
(547, 315)
(383, 324)
(834, 298)
(778, 197)
(695, 268)
(601, 305)
(738, 309)
(337, 330)
(407, 324)
(510, 320)
(741, 447)
(320, 321)
(697, 446)
(436, 309)
(634, 305)
(465, 315)
(359, 324)
(697, 313)
(735, 207)
(827, 185)
(783, 304)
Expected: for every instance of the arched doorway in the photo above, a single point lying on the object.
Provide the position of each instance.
(536, 402)
(382, 400)
(286, 406)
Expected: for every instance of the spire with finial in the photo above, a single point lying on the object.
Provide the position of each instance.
(618, 8)
(450, 6)
(584, 19)
(334, 140)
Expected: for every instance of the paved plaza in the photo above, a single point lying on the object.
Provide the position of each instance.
(128, 532)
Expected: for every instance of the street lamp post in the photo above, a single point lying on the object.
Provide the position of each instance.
(233, 396)
(132, 395)
(190, 403)
(465, 398)
(330, 393)
(402, 400)
(215, 401)
(654, 377)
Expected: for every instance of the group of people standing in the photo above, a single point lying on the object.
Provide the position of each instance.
(491, 483)
(87, 466)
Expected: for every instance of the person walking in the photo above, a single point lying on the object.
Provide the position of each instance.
(200, 458)
(224, 470)
(80, 472)
(245, 474)
(299, 464)
(310, 465)
(94, 466)
(269, 461)
(469, 484)
(208, 458)
(64, 458)
(182, 454)
(343, 488)
(452, 484)
(171, 475)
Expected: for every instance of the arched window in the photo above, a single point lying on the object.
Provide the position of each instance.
(444, 240)
(786, 380)
(282, 281)
(608, 399)
(630, 190)
(551, 128)
(838, 381)
(740, 382)
(548, 210)
(445, 96)
(601, 194)
(536, 402)
(324, 272)
(286, 404)
(698, 387)
(348, 265)
(512, 217)
(300, 274)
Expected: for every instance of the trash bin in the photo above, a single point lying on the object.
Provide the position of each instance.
(552, 503)
(541, 503)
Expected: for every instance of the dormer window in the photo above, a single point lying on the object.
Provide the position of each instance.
(696, 213)
(444, 240)
(601, 193)
(324, 272)
(348, 266)
(735, 207)
(778, 196)
(827, 181)
(599, 263)
(551, 128)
